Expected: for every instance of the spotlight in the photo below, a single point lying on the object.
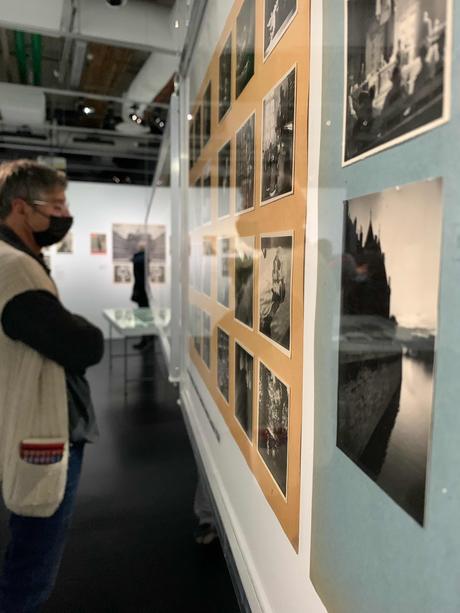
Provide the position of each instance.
(189, 116)
(116, 3)
(88, 110)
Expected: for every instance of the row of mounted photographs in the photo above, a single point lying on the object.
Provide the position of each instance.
(274, 256)
(278, 14)
(273, 398)
(277, 159)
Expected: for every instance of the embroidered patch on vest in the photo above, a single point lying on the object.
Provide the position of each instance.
(41, 451)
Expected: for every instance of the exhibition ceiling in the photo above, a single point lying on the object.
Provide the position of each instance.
(85, 89)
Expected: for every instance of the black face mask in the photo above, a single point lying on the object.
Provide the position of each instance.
(58, 228)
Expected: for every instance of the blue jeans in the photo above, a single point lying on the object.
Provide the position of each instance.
(35, 550)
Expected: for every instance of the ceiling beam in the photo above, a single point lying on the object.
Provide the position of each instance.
(52, 150)
(77, 129)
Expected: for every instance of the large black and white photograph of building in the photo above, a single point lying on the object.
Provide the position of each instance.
(244, 280)
(225, 78)
(223, 363)
(272, 438)
(397, 72)
(278, 135)
(127, 239)
(223, 271)
(208, 255)
(224, 180)
(388, 326)
(206, 202)
(207, 115)
(244, 386)
(206, 340)
(278, 14)
(245, 166)
(245, 41)
(275, 279)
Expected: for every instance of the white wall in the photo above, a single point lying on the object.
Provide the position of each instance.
(85, 281)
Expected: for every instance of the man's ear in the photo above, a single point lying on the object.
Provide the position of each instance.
(18, 206)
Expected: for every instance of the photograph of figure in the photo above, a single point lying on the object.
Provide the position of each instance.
(157, 273)
(245, 40)
(98, 244)
(244, 385)
(389, 301)
(278, 15)
(225, 78)
(197, 137)
(244, 280)
(245, 166)
(275, 268)
(207, 115)
(66, 245)
(223, 362)
(224, 180)
(206, 341)
(122, 273)
(208, 254)
(223, 271)
(278, 133)
(206, 197)
(272, 440)
(397, 72)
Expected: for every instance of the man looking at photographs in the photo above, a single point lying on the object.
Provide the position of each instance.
(46, 414)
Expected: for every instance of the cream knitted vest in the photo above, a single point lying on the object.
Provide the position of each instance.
(33, 400)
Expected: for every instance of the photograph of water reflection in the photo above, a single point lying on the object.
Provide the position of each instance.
(388, 325)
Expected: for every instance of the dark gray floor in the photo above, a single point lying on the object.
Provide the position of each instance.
(131, 546)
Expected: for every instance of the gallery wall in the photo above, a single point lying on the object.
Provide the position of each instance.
(272, 561)
(86, 281)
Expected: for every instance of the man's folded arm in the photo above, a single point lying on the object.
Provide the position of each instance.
(39, 320)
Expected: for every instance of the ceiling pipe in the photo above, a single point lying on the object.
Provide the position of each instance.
(37, 58)
(20, 43)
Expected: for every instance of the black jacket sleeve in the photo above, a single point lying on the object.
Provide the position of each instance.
(39, 320)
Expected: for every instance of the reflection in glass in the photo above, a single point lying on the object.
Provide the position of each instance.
(206, 342)
(388, 326)
(207, 115)
(223, 342)
(223, 271)
(225, 77)
(224, 181)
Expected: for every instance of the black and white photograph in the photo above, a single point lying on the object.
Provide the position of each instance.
(224, 181)
(245, 41)
(196, 328)
(275, 279)
(206, 340)
(223, 363)
(225, 78)
(278, 14)
(278, 135)
(397, 55)
(388, 326)
(128, 239)
(196, 251)
(223, 271)
(197, 136)
(244, 386)
(122, 273)
(245, 166)
(208, 254)
(207, 115)
(273, 426)
(206, 204)
(244, 280)
(157, 273)
(66, 245)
